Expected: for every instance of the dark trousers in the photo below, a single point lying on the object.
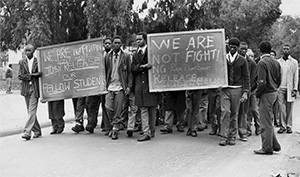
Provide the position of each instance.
(56, 111)
(105, 123)
(230, 103)
(192, 108)
(214, 109)
(268, 136)
(253, 113)
(92, 109)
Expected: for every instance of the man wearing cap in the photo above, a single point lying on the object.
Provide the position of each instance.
(234, 94)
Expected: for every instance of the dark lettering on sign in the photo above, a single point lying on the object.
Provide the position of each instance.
(72, 70)
(187, 60)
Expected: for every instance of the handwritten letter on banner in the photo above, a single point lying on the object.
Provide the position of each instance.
(72, 70)
(187, 60)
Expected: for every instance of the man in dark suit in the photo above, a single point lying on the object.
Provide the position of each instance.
(28, 74)
(146, 101)
(269, 80)
(119, 83)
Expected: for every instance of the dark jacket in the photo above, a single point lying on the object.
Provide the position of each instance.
(238, 73)
(124, 69)
(269, 75)
(25, 77)
(143, 98)
(253, 74)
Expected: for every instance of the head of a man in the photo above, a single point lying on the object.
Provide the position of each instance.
(286, 50)
(29, 51)
(10, 65)
(243, 48)
(117, 43)
(273, 54)
(250, 54)
(265, 47)
(234, 44)
(141, 39)
(107, 44)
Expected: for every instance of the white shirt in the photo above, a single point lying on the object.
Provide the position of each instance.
(230, 57)
(143, 49)
(30, 62)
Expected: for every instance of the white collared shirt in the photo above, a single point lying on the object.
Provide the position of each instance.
(143, 49)
(30, 62)
(230, 57)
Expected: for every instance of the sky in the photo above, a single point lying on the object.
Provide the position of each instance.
(288, 7)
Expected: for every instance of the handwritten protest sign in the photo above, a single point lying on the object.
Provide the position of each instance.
(187, 60)
(72, 70)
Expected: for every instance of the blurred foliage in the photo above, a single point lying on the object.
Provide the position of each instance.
(287, 31)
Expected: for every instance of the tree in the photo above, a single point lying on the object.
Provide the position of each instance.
(109, 18)
(286, 30)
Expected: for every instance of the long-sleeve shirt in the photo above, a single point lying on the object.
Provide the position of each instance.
(269, 75)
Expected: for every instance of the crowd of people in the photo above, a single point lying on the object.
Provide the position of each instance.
(260, 92)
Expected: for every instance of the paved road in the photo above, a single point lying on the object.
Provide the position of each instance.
(175, 154)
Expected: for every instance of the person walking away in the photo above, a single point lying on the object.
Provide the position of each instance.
(269, 79)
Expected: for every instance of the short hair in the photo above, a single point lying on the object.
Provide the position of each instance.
(117, 37)
(273, 52)
(249, 52)
(286, 45)
(143, 34)
(107, 38)
(10, 65)
(234, 41)
(244, 43)
(265, 47)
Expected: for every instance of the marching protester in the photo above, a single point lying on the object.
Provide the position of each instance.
(276, 106)
(287, 90)
(237, 91)
(269, 80)
(119, 83)
(105, 123)
(8, 77)
(253, 113)
(28, 74)
(146, 101)
(56, 112)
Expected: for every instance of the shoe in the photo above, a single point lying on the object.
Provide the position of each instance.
(262, 152)
(249, 134)
(144, 138)
(166, 130)
(245, 139)
(289, 130)
(78, 128)
(137, 129)
(276, 149)
(281, 130)
(152, 133)
(53, 132)
(59, 130)
(223, 142)
(180, 128)
(257, 131)
(114, 135)
(194, 133)
(107, 133)
(129, 133)
(200, 128)
(213, 132)
(89, 128)
(26, 136)
(189, 132)
(37, 135)
(231, 142)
